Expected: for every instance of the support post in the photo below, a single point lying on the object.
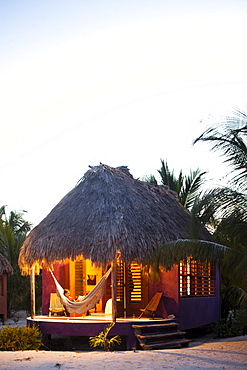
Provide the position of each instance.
(32, 290)
(114, 289)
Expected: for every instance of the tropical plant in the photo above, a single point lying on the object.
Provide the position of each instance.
(102, 339)
(226, 207)
(173, 252)
(223, 211)
(230, 139)
(13, 231)
(188, 187)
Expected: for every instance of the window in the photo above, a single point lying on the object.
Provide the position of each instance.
(197, 279)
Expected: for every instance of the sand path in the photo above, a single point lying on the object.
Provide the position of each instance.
(228, 354)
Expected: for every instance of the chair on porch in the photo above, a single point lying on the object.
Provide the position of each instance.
(152, 306)
(108, 307)
(55, 305)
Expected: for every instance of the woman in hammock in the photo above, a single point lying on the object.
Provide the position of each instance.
(66, 292)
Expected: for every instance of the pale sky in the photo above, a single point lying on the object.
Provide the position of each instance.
(119, 82)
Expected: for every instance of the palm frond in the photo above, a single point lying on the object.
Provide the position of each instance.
(233, 229)
(224, 201)
(235, 295)
(172, 253)
(187, 187)
(17, 223)
(168, 178)
(192, 188)
(204, 209)
(230, 139)
(151, 179)
(233, 270)
(2, 211)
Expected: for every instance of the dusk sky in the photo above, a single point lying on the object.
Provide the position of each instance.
(117, 82)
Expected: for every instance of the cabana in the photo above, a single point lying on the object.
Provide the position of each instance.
(5, 270)
(111, 219)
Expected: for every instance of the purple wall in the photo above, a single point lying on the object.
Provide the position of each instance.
(190, 312)
(48, 285)
(168, 284)
(196, 312)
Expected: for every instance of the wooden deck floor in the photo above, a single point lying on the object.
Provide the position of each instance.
(95, 317)
(90, 326)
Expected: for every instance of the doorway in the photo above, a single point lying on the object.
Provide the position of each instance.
(132, 289)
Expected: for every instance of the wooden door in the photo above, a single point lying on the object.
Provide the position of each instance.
(132, 289)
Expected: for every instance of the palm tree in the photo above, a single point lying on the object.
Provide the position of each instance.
(188, 187)
(223, 210)
(228, 206)
(13, 230)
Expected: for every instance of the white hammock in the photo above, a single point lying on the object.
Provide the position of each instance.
(87, 302)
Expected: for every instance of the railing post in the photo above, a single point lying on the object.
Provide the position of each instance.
(114, 289)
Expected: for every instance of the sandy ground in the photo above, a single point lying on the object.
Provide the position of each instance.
(227, 354)
(204, 353)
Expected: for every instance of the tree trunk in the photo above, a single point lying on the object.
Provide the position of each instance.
(32, 290)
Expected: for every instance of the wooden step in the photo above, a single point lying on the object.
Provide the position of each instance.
(139, 329)
(166, 345)
(160, 336)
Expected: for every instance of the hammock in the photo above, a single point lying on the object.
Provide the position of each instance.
(86, 302)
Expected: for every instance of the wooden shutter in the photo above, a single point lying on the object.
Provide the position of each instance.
(134, 282)
(79, 278)
(120, 281)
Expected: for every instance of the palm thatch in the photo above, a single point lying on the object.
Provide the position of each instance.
(5, 266)
(108, 211)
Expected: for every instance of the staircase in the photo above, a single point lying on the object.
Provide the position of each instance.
(160, 336)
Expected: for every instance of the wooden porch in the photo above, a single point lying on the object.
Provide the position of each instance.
(92, 325)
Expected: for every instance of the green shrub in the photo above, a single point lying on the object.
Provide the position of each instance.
(222, 329)
(20, 338)
(102, 339)
(233, 326)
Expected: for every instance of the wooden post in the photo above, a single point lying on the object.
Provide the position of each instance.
(32, 290)
(114, 289)
(3, 301)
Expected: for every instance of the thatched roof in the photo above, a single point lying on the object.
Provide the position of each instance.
(5, 266)
(107, 211)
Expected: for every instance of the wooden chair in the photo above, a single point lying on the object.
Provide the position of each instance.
(55, 305)
(108, 307)
(152, 306)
